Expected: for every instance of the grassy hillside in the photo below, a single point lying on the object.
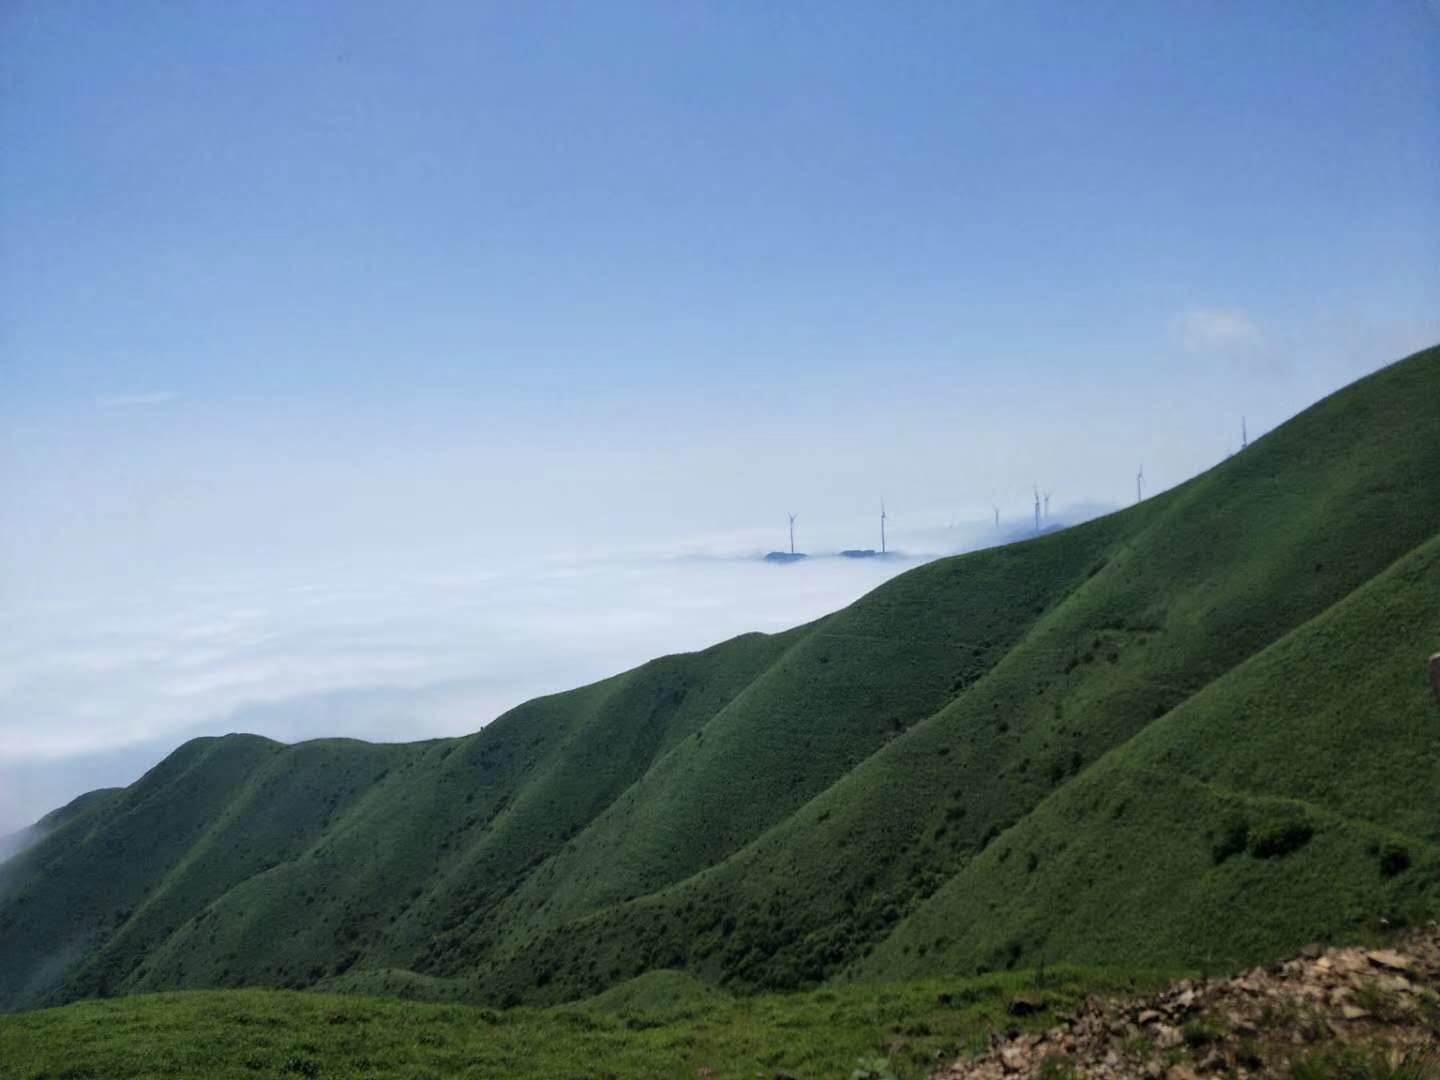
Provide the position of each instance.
(1293, 798)
(664, 1026)
(1169, 597)
(91, 801)
(988, 761)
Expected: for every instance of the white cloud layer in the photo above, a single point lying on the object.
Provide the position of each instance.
(93, 693)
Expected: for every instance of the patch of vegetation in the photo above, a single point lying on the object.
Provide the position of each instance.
(1202, 1032)
(1233, 838)
(1394, 858)
(663, 1028)
(1384, 1005)
(1348, 1061)
(1273, 839)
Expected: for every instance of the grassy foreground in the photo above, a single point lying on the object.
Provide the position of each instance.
(663, 1024)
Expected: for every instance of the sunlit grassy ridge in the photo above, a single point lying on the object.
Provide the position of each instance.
(1194, 732)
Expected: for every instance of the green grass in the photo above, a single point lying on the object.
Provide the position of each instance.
(1193, 733)
(1321, 776)
(669, 1027)
(1352, 1062)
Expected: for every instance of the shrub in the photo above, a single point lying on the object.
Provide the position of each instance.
(872, 1068)
(1201, 1032)
(1233, 839)
(1274, 839)
(1394, 859)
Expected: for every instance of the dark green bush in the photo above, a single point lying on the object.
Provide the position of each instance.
(1394, 859)
(1233, 839)
(1274, 839)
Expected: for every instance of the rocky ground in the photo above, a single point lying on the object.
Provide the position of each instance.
(1335, 1012)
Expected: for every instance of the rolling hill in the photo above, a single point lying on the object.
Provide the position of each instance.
(1194, 733)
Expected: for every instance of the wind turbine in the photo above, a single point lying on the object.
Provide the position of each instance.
(1140, 483)
(792, 534)
(997, 515)
(1047, 504)
(1244, 435)
(1037, 508)
(882, 526)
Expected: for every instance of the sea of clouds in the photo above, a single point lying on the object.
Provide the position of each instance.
(93, 691)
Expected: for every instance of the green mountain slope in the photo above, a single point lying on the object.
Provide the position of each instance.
(1290, 799)
(1181, 590)
(1026, 754)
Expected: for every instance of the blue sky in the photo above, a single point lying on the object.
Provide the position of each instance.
(285, 287)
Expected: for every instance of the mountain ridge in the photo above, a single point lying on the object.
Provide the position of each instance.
(831, 802)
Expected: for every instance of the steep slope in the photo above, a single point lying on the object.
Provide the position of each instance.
(1294, 797)
(62, 899)
(455, 831)
(1192, 584)
(854, 684)
(16, 842)
(839, 799)
(315, 853)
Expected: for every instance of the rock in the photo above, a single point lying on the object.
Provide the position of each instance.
(1313, 951)
(1352, 960)
(1246, 1014)
(1435, 675)
(1240, 1025)
(1388, 958)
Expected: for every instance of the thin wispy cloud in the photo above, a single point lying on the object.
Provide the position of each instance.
(1216, 330)
(130, 401)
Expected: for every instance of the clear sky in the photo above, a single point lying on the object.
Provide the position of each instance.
(290, 287)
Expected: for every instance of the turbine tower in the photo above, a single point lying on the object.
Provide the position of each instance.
(1037, 509)
(1140, 483)
(792, 534)
(1047, 504)
(997, 515)
(882, 526)
(1244, 434)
